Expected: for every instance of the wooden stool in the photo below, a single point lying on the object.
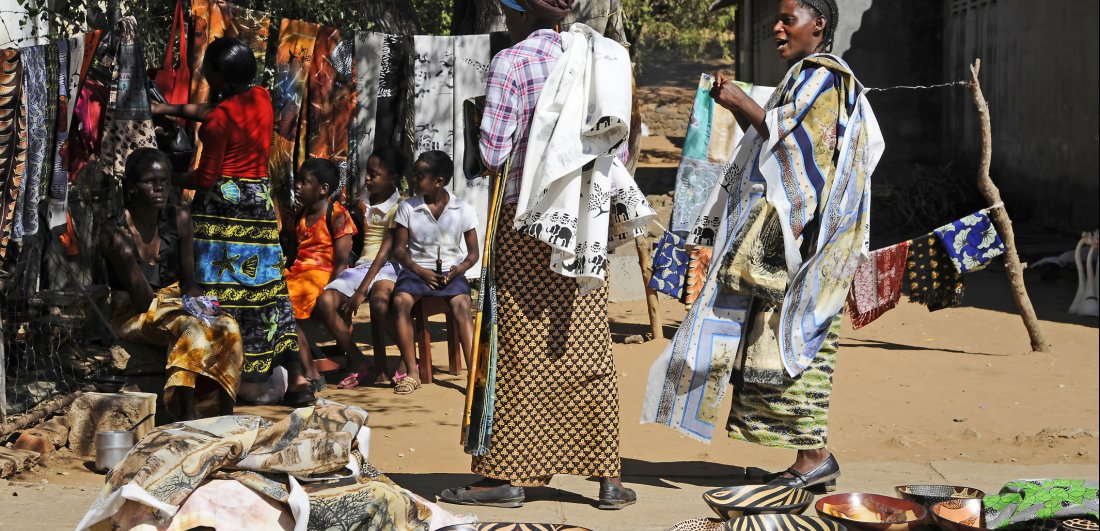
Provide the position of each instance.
(425, 308)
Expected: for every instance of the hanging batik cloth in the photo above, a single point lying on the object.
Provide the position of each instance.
(933, 279)
(40, 86)
(86, 128)
(128, 122)
(12, 140)
(368, 67)
(58, 184)
(699, 258)
(471, 73)
(211, 19)
(876, 286)
(331, 99)
(670, 263)
(433, 94)
(971, 242)
(297, 41)
(393, 90)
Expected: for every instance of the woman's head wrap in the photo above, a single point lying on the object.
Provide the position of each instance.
(552, 10)
(829, 10)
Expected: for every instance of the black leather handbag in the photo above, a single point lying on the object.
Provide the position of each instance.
(172, 137)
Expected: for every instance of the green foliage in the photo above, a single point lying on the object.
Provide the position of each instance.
(681, 27)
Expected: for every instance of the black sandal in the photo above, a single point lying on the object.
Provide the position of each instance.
(299, 398)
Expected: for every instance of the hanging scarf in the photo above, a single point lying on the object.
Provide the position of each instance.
(572, 177)
(971, 242)
(368, 66)
(40, 86)
(12, 140)
(697, 269)
(755, 266)
(933, 279)
(687, 382)
(670, 263)
(331, 99)
(433, 94)
(876, 286)
(393, 90)
(297, 41)
(58, 184)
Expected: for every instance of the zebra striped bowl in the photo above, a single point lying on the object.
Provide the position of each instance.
(735, 502)
(782, 522)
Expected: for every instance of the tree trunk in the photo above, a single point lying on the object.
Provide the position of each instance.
(1000, 217)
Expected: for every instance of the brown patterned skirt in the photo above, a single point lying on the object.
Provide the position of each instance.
(557, 399)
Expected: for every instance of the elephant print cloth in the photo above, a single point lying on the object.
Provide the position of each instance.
(433, 94)
(821, 113)
(573, 173)
(971, 242)
(876, 286)
(313, 464)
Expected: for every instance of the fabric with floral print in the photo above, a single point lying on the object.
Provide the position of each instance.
(971, 242)
(1023, 502)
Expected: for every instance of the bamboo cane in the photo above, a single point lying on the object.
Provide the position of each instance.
(992, 195)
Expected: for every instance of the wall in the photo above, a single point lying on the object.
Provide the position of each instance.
(1045, 144)
(1039, 74)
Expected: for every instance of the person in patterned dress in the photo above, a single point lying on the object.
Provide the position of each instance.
(556, 393)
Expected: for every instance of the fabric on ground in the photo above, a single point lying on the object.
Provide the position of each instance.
(297, 41)
(239, 260)
(368, 65)
(1031, 500)
(876, 286)
(556, 397)
(195, 348)
(332, 100)
(689, 379)
(971, 242)
(791, 412)
(12, 141)
(932, 277)
(573, 172)
(313, 462)
(433, 94)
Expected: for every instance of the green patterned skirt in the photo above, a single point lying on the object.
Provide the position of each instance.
(791, 413)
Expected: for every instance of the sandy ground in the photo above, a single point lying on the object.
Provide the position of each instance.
(919, 397)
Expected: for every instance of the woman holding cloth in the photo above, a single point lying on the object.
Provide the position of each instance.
(792, 215)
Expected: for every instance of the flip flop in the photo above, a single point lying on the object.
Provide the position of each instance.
(351, 381)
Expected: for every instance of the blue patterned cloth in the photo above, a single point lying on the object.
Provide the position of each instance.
(971, 242)
(670, 262)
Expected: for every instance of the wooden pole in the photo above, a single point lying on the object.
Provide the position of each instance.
(1001, 220)
(644, 260)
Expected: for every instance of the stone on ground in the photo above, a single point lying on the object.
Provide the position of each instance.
(94, 412)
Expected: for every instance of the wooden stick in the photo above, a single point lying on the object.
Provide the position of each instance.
(644, 260)
(1000, 218)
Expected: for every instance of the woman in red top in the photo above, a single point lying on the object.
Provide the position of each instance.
(237, 253)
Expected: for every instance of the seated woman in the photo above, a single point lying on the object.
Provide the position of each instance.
(429, 229)
(149, 248)
(373, 275)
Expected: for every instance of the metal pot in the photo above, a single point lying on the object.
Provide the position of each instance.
(111, 447)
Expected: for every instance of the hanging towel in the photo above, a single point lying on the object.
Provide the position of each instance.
(876, 286)
(933, 279)
(471, 73)
(971, 242)
(331, 99)
(297, 40)
(433, 94)
(696, 174)
(368, 65)
(56, 189)
(573, 177)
